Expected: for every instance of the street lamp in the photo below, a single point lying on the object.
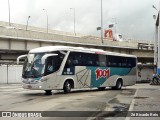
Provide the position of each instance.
(47, 18)
(157, 42)
(27, 22)
(74, 19)
(154, 17)
(102, 21)
(115, 24)
(155, 8)
(9, 13)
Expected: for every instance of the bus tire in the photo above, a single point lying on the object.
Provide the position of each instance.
(118, 85)
(101, 88)
(67, 87)
(48, 92)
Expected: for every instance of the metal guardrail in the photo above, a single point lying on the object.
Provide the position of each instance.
(18, 31)
(145, 46)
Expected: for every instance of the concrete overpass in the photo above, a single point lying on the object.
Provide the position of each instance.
(15, 40)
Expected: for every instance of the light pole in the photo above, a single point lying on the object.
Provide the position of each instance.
(74, 19)
(27, 22)
(157, 42)
(47, 18)
(9, 13)
(155, 8)
(154, 17)
(102, 21)
(115, 24)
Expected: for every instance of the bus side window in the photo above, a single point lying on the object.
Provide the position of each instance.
(89, 60)
(75, 62)
(119, 64)
(123, 62)
(97, 63)
(50, 68)
(102, 61)
(128, 62)
(68, 63)
(113, 61)
(89, 63)
(132, 62)
(120, 61)
(108, 61)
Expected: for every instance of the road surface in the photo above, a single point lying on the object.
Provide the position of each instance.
(140, 97)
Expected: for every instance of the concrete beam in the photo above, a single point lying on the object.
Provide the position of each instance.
(22, 40)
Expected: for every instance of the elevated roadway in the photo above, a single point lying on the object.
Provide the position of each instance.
(16, 40)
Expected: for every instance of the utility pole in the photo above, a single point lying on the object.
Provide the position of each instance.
(74, 20)
(27, 22)
(9, 11)
(47, 18)
(102, 21)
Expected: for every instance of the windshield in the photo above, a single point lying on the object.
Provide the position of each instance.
(33, 67)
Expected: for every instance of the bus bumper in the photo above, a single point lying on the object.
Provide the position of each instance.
(38, 86)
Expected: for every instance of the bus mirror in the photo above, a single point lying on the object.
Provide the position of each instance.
(30, 58)
(46, 56)
(22, 56)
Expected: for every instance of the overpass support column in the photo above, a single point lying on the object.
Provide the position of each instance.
(155, 45)
(9, 44)
(158, 66)
(25, 44)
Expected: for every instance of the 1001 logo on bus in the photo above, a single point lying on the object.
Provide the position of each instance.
(102, 73)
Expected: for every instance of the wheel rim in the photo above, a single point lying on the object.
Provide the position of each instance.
(119, 84)
(68, 86)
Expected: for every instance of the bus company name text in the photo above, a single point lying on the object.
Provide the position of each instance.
(102, 73)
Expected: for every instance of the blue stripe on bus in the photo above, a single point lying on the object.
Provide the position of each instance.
(100, 74)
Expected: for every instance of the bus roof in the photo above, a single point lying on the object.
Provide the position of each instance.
(78, 49)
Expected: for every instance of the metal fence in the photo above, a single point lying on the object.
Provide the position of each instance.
(10, 74)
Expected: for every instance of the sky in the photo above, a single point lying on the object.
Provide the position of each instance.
(134, 18)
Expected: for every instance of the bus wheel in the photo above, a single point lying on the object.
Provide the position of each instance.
(48, 92)
(101, 88)
(118, 85)
(67, 87)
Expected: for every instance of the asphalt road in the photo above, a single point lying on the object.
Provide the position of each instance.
(107, 104)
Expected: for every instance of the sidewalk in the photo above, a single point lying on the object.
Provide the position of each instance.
(147, 98)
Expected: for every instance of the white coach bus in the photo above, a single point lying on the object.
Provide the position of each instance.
(63, 67)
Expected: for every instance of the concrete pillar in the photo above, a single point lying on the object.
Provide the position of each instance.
(155, 45)
(158, 65)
